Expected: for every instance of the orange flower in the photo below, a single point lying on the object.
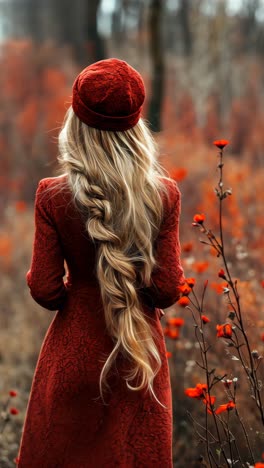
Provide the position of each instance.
(168, 354)
(197, 392)
(175, 321)
(205, 319)
(178, 173)
(187, 247)
(185, 289)
(218, 287)
(207, 400)
(227, 407)
(172, 333)
(221, 273)
(200, 267)
(5, 245)
(13, 410)
(20, 206)
(224, 331)
(199, 218)
(190, 282)
(259, 465)
(200, 392)
(183, 301)
(221, 143)
(213, 252)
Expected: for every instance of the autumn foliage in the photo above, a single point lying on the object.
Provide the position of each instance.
(231, 329)
(35, 92)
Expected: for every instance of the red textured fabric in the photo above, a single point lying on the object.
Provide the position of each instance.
(108, 95)
(66, 424)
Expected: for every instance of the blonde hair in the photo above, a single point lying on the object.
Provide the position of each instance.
(116, 181)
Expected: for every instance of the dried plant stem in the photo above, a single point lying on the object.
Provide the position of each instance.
(211, 406)
(245, 434)
(229, 433)
(252, 375)
(225, 442)
(203, 351)
(204, 439)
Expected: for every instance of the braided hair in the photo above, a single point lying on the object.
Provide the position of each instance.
(115, 181)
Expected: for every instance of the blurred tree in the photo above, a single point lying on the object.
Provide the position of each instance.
(66, 22)
(117, 25)
(127, 14)
(66, 25)
(249, 23)
(31, 19)
(184, 20)
(92, 39)
(76, 24)
(156, 48)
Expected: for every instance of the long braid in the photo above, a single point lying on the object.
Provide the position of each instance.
(124, 224)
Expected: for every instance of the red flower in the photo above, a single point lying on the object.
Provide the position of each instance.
(205, 319)
(175, 321)
(16, 460)
(259, 465)
(207, 400)
(221, 273)
(210, 399)
(168, 354)
(262, 337)
(224, 331)
(12, 393)
(183, 301)
(172, 333)
(178, 173)
(227, 383)
(200, 267)
(221, 143)
(13, 410)
(219, 288)
(20, 206)
(197, 392)
(190, 282)
(227, 407)
(187, 247)
(199, 218)
(185, 289)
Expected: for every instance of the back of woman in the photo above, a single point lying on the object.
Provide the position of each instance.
(101, 393)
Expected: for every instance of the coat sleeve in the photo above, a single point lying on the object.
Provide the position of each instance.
(45, 277)
(168, 274)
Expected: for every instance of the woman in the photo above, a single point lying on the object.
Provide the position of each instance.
(101, 394)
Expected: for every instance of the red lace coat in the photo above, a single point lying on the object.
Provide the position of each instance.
(66, 424)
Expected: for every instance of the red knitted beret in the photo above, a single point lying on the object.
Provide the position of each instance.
(108, 95)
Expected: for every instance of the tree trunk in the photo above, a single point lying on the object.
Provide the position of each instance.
(156, 54)
(67, 25)
(94, 44)
(65, 21)
(185, 24)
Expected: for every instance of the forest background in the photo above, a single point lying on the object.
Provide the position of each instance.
(202, 63)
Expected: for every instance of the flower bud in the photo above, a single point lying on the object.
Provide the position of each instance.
(255, 353)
